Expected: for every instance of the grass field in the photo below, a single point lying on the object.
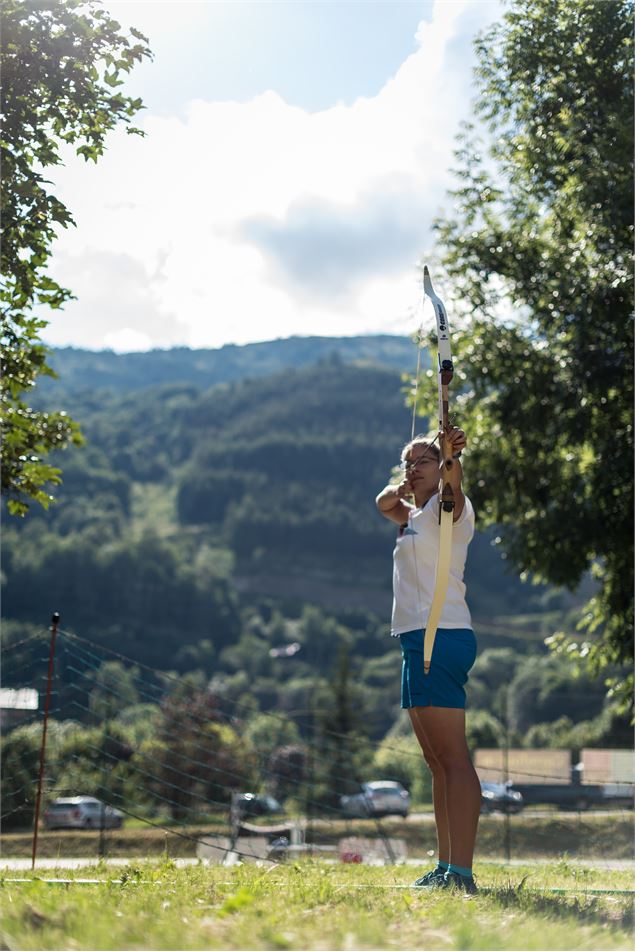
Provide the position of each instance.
(311, 905)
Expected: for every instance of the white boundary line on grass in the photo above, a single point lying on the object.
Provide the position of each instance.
(416, 888)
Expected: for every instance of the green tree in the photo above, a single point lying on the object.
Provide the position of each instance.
(399, 758)
(537, 251)
(483, 730)
(265, 733)
(19, 754)
(19, 759)
(62, 64)
(97, 761)
(287, 770)
(608, 729)
(341, 729)
(196, 759)
(321, 637)
(139, 722)
(546, 688)
(114, 690)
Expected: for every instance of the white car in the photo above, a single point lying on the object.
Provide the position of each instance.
(381, 798)
(81, 812)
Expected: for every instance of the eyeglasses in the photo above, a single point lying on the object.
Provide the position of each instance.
(406, 465)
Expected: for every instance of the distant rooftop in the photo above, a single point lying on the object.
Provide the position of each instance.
(24, 698)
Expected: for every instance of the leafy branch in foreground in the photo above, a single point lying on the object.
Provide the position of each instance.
(61, 68)
(537, 251)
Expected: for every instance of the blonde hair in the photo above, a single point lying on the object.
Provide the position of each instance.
(421, 440)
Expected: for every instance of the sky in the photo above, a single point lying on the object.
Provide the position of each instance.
(295, 156)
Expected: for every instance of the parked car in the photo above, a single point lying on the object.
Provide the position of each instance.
(81, 812)
(578, 796)
(499, 797)
(253, 804)
(380, 798)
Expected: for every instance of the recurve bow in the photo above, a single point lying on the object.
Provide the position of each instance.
(446, 495)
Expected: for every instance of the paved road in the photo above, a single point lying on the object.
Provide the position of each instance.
(24, 865)
(536, 814)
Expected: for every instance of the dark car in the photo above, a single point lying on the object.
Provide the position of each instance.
(251, 805)
(500, 797)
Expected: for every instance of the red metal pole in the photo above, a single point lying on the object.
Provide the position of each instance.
(55, 620)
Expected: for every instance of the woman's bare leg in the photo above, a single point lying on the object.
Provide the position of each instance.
(444, 732)
(438, 790)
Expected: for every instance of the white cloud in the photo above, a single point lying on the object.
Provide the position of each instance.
(126, 340)
(249, 221)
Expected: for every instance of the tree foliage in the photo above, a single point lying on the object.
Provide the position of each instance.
(114, 688)
(342, 723)
(537, 251)
(196, 759)
(62, 64)
(398, 759)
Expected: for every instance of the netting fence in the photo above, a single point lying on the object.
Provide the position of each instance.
(175, 770)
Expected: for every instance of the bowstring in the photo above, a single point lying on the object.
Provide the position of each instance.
(417, 374)
(412, 511)
(416, 394)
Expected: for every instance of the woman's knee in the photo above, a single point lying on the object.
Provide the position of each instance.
(453, 758)
(433, 763)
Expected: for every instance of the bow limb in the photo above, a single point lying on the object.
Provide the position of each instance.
(446, 494)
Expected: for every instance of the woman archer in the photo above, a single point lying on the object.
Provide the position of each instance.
(436, 701)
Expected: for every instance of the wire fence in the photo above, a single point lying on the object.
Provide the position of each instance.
(171, 762)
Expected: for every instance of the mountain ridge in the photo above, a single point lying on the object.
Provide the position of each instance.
(80, 369)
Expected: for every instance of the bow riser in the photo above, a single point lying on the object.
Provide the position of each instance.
(447, 495)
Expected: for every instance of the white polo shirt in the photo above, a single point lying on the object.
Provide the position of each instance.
(415, 570)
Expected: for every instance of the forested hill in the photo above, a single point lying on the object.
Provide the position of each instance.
(266, 483)
(86, 369)
(199, 526)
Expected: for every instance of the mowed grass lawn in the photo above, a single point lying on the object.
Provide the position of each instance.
(314, 905)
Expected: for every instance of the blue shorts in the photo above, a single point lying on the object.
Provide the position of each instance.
(453, 655)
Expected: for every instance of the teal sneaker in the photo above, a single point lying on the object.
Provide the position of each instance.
(459, 883)
(432, 879)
